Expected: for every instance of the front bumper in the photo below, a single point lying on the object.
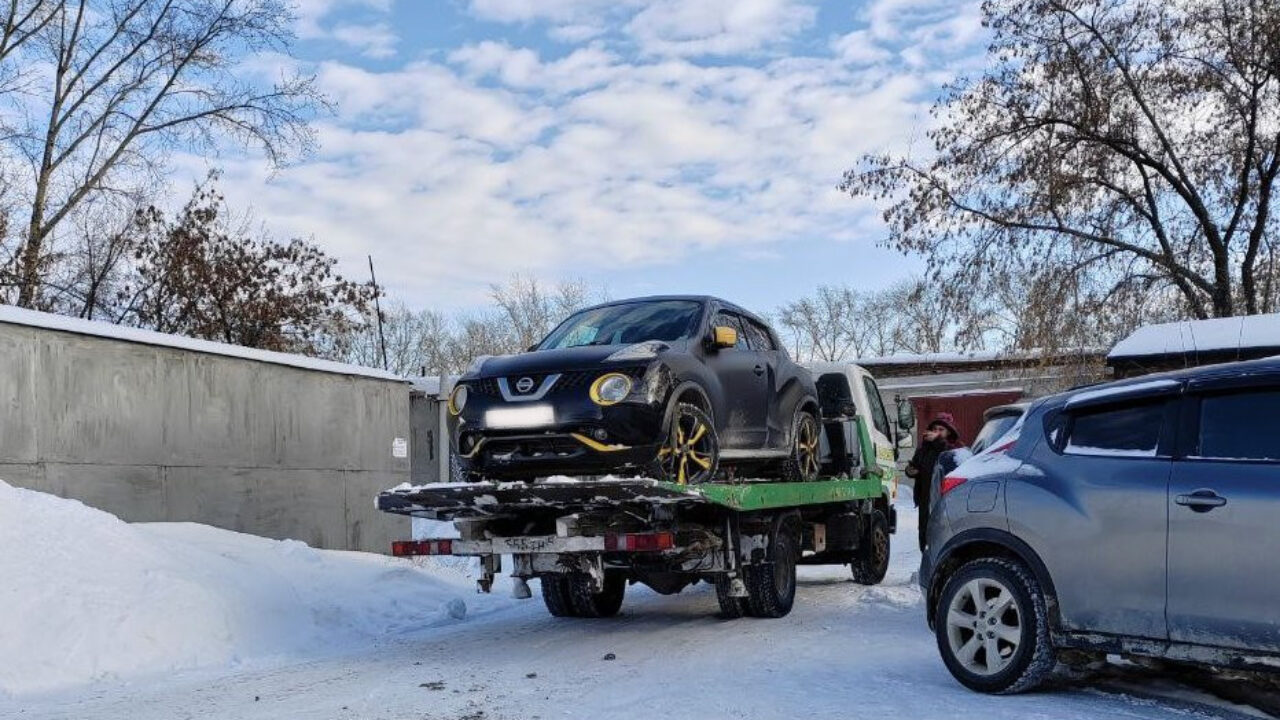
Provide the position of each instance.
(569, 434)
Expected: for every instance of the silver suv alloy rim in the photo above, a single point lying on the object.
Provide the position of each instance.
(984, 626)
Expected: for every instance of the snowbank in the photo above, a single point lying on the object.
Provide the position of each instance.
(86, 596)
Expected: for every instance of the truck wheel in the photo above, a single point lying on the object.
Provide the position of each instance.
(691, 452)
(555, 595)
(804, 462)
(605, 603)
(871, 563)
(731, 608)
(771, 586)
(992, 627)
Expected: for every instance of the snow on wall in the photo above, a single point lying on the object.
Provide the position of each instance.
(48, 321)
(1191, 336)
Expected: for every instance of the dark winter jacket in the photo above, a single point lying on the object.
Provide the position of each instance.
(921, 469)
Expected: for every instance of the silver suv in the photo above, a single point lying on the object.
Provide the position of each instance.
(1139, 517)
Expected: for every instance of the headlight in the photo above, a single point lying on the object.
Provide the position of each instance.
(457, 399)
(610, 389)
(640, 351)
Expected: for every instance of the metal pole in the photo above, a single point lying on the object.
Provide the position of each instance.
(377, 308)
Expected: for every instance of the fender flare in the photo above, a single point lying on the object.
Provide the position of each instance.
(1010, 543)
(681, 389)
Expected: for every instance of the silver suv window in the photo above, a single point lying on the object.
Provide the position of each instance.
(1240, 426)
(1128, 431)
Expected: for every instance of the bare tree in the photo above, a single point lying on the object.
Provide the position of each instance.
(531, 311)
(827, 326)
(1126, 144)
(111, 86)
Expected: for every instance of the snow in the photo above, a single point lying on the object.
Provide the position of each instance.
(48, 321)
(87, 597)
(230, 626)
(1111, 391)
(1218, 334)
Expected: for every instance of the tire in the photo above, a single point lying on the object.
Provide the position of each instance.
(731, 608)
(555, 595)
(994, 593)
(692, 458)
(605, 603)
(771, 586)
(804, 462)
(871, 563)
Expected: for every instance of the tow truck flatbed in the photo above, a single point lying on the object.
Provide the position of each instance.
(449, 501)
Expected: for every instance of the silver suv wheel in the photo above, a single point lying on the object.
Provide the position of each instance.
(992, 626)
(984, 626)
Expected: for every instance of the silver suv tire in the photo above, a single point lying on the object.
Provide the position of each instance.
(992, 627)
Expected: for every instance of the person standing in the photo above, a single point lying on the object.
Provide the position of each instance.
(939, 436)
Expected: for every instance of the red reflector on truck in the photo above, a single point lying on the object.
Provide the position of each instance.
(639, 542)
(409, 548)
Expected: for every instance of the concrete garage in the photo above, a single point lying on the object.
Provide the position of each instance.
(154, 427)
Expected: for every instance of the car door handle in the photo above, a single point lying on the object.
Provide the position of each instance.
(759, 369)
(1201, 500)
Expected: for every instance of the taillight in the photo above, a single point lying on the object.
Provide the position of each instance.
(951, 482)
(409, 548)
(639, 542)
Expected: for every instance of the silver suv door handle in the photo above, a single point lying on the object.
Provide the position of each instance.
(1201, 500)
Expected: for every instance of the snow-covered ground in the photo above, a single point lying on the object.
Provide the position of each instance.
(100, 619)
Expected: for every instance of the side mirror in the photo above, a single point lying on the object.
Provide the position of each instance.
(723, 337)
(848, 408)
(904, 440)
(906, 414)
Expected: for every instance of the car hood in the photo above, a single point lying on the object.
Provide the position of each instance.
(587, 357)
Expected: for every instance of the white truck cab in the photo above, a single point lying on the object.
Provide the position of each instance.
(840, 384)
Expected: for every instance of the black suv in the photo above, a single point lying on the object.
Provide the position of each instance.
(678, 387)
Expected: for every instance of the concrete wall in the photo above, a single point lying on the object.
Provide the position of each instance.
(427, 443)
(153, 433)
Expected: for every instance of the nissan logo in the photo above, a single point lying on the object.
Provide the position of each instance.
(524, 385)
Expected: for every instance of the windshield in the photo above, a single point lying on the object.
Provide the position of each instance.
(626, 323)
(994, 428)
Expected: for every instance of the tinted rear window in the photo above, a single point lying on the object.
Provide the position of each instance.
(1241, 426)
(1131, 430)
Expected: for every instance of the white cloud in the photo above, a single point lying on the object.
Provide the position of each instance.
(375, 40)
(718, 27)
(494, 158)
(313, 13)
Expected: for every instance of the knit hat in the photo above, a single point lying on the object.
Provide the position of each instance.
(946, 420)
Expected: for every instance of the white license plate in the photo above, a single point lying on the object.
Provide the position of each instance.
(520, 417)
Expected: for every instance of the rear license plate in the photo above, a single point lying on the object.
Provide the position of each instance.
(520, 417)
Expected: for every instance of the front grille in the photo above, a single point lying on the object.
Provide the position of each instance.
(551, 446)
(488, 386)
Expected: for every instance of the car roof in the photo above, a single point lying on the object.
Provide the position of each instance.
(1157, 383)
(690, 298)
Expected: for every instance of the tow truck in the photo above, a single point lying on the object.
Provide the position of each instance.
(586, 539)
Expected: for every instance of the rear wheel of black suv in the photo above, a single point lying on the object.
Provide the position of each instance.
(992, 627)
(691, 452)
(804, 462)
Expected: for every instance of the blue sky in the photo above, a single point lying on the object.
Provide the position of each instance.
(647, 146)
